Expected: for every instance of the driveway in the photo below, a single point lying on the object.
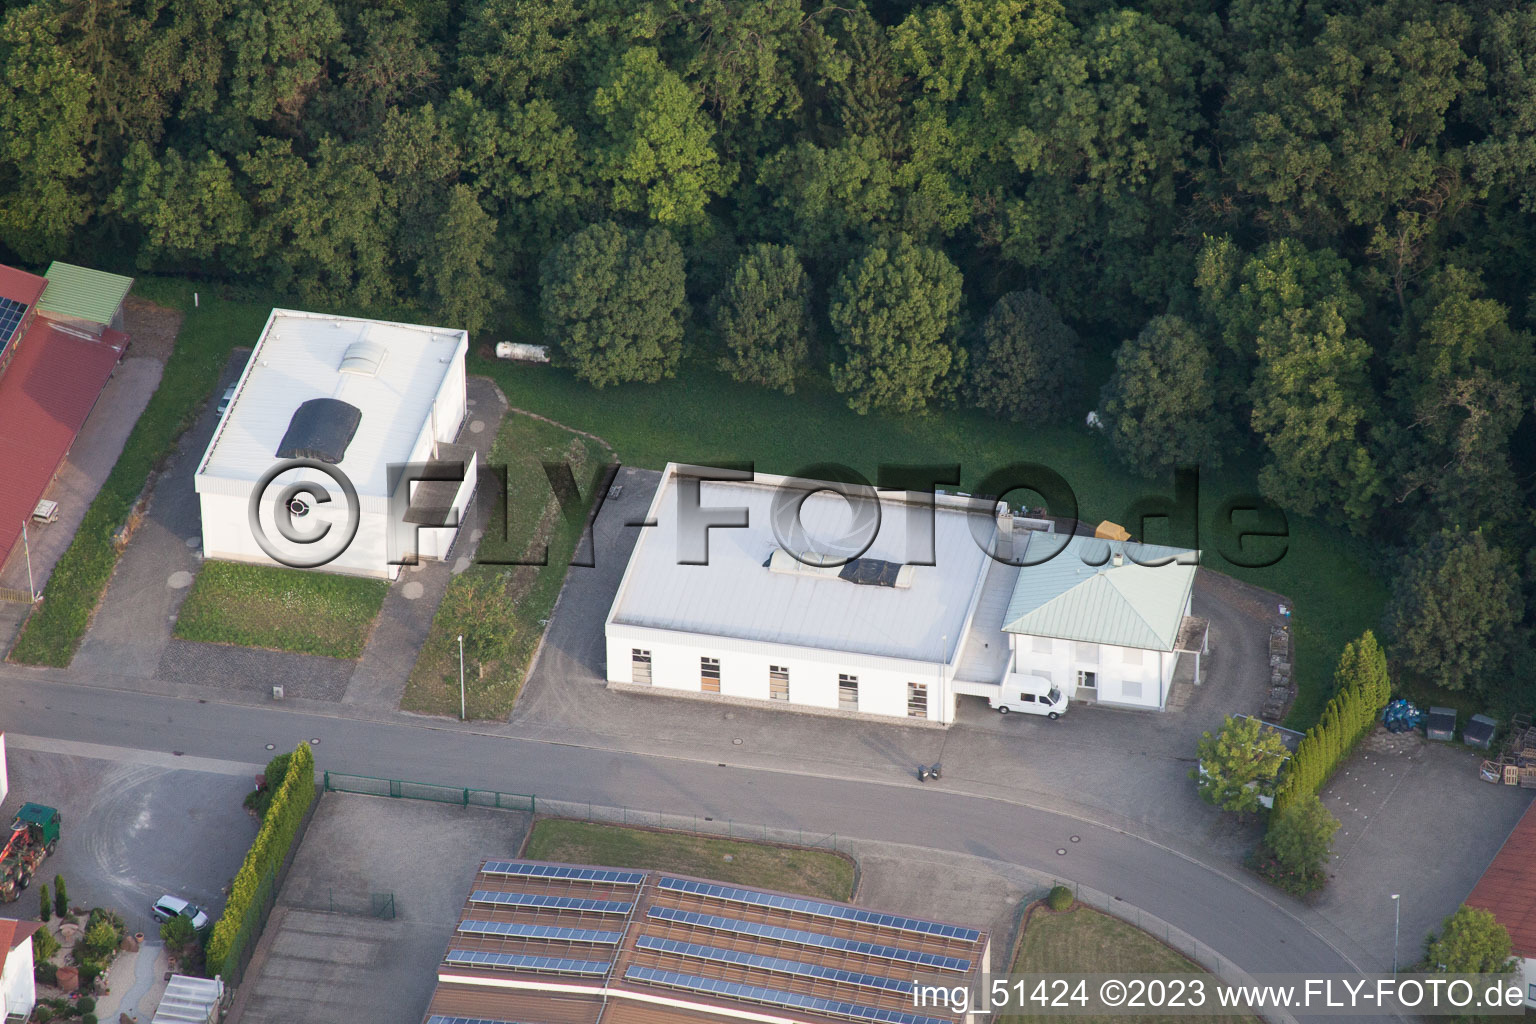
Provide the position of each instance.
(127, 826)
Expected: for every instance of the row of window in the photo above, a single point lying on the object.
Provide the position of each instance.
(1087, 654)
(778, 683)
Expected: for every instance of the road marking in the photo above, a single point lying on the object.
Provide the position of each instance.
(131, 755)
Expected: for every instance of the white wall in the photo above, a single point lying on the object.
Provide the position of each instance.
(1125, 675)
(813, 675)
(227, 535)
(18, 992)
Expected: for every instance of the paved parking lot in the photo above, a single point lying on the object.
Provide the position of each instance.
(128, 827)
(325, 957)
(1417, 821)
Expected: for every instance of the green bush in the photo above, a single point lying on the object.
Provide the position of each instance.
(44, 945)
(259, 800)
(45, 904)
(89, 1018)
(47, 973)
(85, 1004)
(1059, 898)
(60, 897)
(278, 830)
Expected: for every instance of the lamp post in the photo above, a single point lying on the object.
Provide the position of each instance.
(461, 682)
(1397, 920)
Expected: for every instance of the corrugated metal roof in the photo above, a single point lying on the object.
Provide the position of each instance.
(298, 358)
(81, 292)
(188, 1000)
(737, 595)
(1080, 594)
(45, 395)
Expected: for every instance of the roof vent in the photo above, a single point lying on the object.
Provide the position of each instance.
(808, 564)
(1117, 559)
(877, 572)
(363, 358)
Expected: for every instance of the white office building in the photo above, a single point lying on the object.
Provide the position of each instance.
(357, 395)
(922, 615)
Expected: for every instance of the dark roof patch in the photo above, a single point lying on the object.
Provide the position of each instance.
(321, 429)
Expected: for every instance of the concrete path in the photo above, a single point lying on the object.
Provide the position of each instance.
(137, 981)
(412, 601)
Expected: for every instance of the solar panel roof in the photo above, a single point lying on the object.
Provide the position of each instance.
(523, 869)
(817, 908)
(775, 997)
(11, 315)
(552, 933)
(759, 930)
(527, 962)
(777, 965)
(525, 899)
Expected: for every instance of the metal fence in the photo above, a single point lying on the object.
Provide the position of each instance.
(336, 782)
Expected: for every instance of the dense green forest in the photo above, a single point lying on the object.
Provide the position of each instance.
(1297, 231)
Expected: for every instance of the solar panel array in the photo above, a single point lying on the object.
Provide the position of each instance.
(522, 869)
(775, 997)
(526, 962)
(11, 314)
(777, 933)
(775, 964)
(552, 933)
(525, 899)
(817, 908)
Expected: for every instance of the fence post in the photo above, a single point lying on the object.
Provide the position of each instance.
(466, 796)
(327, 784)
(533, 803)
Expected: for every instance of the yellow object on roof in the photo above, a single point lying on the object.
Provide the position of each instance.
(1111, 531)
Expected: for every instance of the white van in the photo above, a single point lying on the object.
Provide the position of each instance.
(1031, 695)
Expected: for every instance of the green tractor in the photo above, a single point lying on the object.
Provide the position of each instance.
(33, 836)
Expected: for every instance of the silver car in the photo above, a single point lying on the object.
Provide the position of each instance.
(168, 906)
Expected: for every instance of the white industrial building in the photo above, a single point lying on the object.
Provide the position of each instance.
(923, 614)
(359, 395)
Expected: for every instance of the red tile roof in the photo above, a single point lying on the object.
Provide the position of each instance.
(53, 380)
(1508, 887)
(19, 285)
(12, 934)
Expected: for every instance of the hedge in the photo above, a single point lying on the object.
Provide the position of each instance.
(242, 913)
(1363, 689)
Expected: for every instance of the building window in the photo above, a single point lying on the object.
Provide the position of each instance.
(778, 682)
(1132, 655)
(639, 665)
(709, 675)
(1088, 679)
(848, 692)
(917, 700)
(1088, 654)
(1043, 645)
(1130, 689)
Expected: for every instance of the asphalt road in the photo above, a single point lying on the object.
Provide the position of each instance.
(1244, 924)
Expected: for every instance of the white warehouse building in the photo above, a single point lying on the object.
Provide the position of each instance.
(923, 615)
(358, 395)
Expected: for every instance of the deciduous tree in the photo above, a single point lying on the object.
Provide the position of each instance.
(763, 318)
(1161, 405)
(1029, 364)
(613, 303)
(1300, 837)
(1238, 763)
(1470, 941)
(894, 310)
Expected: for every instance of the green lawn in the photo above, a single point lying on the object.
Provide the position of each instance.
(511, 600)
(283, 609)
(54, 630)
(782, 868)
(702, 416)
(1084, 941)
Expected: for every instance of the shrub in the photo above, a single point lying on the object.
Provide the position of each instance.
(265, 857)
(44, 945)
(1294, 853)
(85, 1004)
(45, 905)
(99, 941)
(46, 972)
(259, 800)
(60, 896)
(89, 1018)
(1059, 898)
(89, 972)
